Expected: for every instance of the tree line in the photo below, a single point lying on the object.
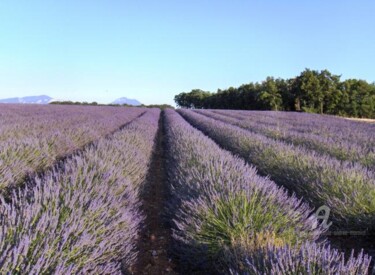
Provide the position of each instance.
(312, 91)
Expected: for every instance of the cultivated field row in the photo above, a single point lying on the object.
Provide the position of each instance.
(346, 188)
(32, 138)
(84, 214)
(360, 147)
(82, 217)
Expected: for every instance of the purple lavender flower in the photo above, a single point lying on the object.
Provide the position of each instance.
(33, 137)
(348, 189)
(82, 216)
(219, 202)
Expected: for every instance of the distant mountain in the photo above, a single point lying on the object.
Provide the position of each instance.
(42, 99)
(124, 100)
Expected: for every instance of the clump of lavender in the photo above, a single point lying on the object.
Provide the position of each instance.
(347, 189)
(310, 258)
(220, 203)
(83, 216)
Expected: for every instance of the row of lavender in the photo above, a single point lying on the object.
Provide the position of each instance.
(229, 219)
(347, 189)
(334, 127)
(83, 216)
(32, 137)
(310, 133)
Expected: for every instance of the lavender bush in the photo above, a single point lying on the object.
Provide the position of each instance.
(220, 203)
(82, 216)
(33, 137)
(348, 189)
(310, 258)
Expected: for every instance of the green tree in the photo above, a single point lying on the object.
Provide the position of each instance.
(329, 95)
(269, 95)
(311, 91)
(194, 99)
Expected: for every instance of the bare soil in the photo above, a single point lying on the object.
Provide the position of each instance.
(155, 238)
(369, 120)
(347, 244)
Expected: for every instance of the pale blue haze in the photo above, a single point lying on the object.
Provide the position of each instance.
(152, 50)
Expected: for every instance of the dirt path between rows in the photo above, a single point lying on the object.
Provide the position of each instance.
(368, 120)
(155, 238)
(357, 243)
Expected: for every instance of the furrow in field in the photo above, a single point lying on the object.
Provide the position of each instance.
(154, 244)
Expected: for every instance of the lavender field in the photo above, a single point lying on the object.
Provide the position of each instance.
(116, 190)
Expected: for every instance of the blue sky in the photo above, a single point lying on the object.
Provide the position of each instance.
(152, 50)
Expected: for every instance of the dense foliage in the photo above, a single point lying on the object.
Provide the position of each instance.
(309, 259)
(311, 91)
(346, 187)
(229, 219)
(82, 217)
(222, 202)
